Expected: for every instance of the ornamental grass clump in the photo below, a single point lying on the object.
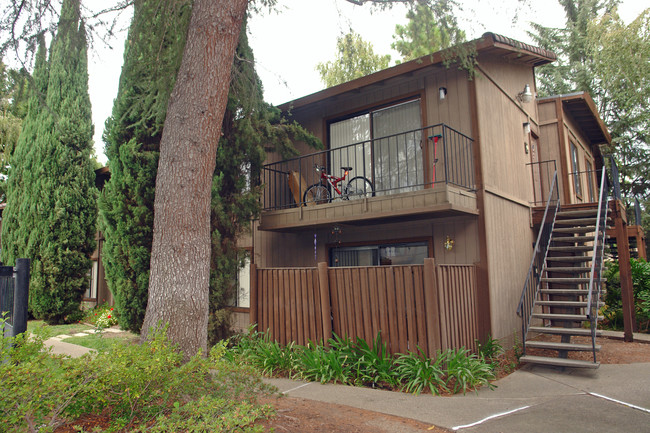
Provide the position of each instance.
(355, 362)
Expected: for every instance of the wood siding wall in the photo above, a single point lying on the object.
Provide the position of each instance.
(430, 306)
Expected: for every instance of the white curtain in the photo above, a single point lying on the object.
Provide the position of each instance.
(344, 133)
(398, 166)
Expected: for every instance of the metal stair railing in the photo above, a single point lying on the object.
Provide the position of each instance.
(538, 262)
(595, 278)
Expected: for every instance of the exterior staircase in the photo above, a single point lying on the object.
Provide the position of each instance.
(561, 296)
(562, 304)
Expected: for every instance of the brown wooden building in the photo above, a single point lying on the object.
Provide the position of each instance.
(465, 199)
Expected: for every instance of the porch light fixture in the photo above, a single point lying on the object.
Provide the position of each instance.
(442, 93)
(527, 128)
(449, 243)
(525, 95)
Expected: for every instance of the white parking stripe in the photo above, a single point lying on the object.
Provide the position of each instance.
(298, 387)
(497, 415)
(633, 406)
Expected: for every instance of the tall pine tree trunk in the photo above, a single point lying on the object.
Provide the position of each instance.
(180, 255)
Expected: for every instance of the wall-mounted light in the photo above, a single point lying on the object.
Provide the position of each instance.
(525, 95)
(449, 243)
(526, 128)
(442, 93)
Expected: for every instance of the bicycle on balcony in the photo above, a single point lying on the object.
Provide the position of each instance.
(357, 187)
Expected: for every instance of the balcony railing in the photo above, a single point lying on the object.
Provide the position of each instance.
(409, 161)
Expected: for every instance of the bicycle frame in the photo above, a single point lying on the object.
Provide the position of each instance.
(332, 180)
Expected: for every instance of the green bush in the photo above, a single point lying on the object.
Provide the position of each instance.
(141, 387)
(613, 311)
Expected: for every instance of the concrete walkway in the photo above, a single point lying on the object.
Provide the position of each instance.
(613, 398)
(60, 347)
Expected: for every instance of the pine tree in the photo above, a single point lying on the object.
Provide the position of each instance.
(152, 56)
(61, 196)
(574, 69)
(431, 27)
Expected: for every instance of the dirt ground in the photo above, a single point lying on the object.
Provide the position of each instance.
(307, 416)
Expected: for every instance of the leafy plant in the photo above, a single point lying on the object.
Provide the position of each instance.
(373, 366)
(465, 370)
(613, 310)
(417, 372)
(320, 364)
(141, 387)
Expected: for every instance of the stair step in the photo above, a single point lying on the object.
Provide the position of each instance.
(577, 213)
(573, 248)
(569, 270)
(584, 229)
(574, 259)
(576, 222)
(573, 239)
(576, 347)
(563, 331)
(565, 317)
(565, 280)
(576, 292)
(569, 304)
(559, 362)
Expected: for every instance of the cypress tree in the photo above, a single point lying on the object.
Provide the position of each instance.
(18, 218)
(59, 198)
(152, 57)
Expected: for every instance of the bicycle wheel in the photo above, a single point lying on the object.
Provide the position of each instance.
(359, 187)
(318, 194)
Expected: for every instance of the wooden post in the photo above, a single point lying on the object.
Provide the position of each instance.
(326, 306)
(625, 271)
(432, 307)
(253, 312)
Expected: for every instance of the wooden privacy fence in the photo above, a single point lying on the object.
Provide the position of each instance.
(430, 306)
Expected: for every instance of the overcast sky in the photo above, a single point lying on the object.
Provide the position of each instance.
(288, 45)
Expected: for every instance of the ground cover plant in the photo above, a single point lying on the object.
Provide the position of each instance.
(355, 362)
(138, 387)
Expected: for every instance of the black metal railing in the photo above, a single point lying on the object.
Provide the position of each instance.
(409, 161)
(542, 173)
(584, 184)
(595, 278)
(537, 264)
(14, 293)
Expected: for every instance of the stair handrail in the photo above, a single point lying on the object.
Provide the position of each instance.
(536, 269)
(595, 278)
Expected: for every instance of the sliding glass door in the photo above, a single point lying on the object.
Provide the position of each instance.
(387, 147)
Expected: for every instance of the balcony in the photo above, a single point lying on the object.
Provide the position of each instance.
(414, 174)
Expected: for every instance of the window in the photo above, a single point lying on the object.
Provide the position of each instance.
(407, 253)
(242, 297)
(392, 163)
(590, 181)
(91, 290)
(575, 167)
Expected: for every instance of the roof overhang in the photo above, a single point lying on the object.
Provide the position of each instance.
(489, 43)
(582, 109)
